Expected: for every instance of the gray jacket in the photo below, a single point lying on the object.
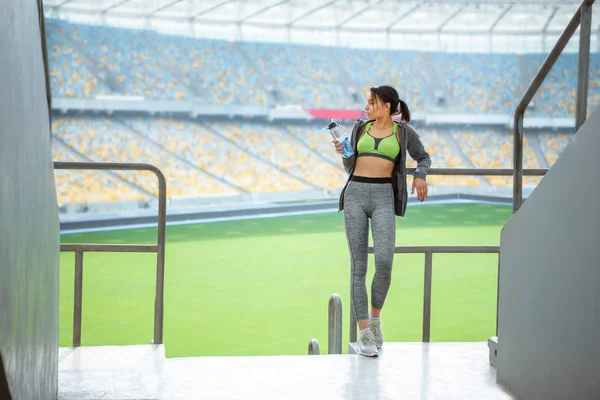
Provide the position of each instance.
(409, 142)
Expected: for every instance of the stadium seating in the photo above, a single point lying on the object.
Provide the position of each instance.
(87, 187)
(130, 58)
(69, 76)
(198, 156)
(402, 69)
(491, 148)
(276, 145)
(482, 84)
(214, 154)
(160, 66)
(215, 157)
(442, 155)
(304, 74)
(553, 144)
(107, 140)
(559, 90)
(220, 72)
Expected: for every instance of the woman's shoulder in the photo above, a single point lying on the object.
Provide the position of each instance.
(359, 121)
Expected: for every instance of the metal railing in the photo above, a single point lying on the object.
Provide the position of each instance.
(313, 348)
(582, 17)
(158, 248)
(430, 250)
(334, 343)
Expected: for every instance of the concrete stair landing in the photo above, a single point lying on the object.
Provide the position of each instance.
(402, 371)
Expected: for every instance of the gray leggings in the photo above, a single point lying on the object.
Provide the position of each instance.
(362, 201)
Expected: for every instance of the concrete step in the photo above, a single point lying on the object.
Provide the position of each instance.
(402, 371)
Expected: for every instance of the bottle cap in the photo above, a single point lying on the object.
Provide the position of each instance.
(332, 125)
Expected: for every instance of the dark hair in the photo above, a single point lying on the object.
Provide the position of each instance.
(388, 94)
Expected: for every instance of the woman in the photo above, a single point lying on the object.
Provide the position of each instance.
(376, 189)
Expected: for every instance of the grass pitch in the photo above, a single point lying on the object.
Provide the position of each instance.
(261, 286)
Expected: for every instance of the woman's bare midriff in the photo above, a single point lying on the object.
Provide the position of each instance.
(373, 167)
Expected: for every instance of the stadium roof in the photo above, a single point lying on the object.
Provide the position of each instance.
(426, 25)
(423, 16)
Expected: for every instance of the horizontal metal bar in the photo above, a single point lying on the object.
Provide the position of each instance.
(110, 248)
(482, 171)
(107, 166)
(444, 249)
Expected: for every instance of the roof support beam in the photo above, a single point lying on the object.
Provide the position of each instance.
(263, 9)
(115, 5)
(163, 7)
(59, 5)
(450, 18)
(356, 14)
(209, 9)
(554, 11)
(312, 11)
(404, 14)
(497, 20)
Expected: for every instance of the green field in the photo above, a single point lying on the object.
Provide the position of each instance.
(261, 286)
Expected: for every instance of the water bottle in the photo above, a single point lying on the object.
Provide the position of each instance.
(338, 134)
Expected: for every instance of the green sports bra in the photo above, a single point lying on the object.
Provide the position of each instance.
(387, 147)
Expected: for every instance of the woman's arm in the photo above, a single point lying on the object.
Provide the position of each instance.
(417, 152)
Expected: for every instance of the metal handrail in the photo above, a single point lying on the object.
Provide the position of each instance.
(428, 251)
(334, 343)
(481, 171)
(582, 17)
(159, 248)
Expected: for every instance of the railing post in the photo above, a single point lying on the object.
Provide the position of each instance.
(427, 296)
(313, 348)
(353, 324)
(518, 163)
(334, 337)
(585, 33)
(160, 258)
(77, 298)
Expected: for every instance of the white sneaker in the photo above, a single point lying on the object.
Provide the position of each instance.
(366, 344)
(375, 328)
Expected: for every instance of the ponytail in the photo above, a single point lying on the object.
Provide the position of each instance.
(404, 111)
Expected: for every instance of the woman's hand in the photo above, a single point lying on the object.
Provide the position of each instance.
(338, 147)
(421, 185)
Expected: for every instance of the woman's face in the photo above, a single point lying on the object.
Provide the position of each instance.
(375, 109)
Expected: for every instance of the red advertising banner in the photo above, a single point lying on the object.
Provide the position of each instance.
(340, 115)
(324, 113)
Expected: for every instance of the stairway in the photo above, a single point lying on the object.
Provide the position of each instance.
(548, 318)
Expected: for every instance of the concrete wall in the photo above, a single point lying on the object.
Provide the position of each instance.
(549, 317)
(29, 238)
